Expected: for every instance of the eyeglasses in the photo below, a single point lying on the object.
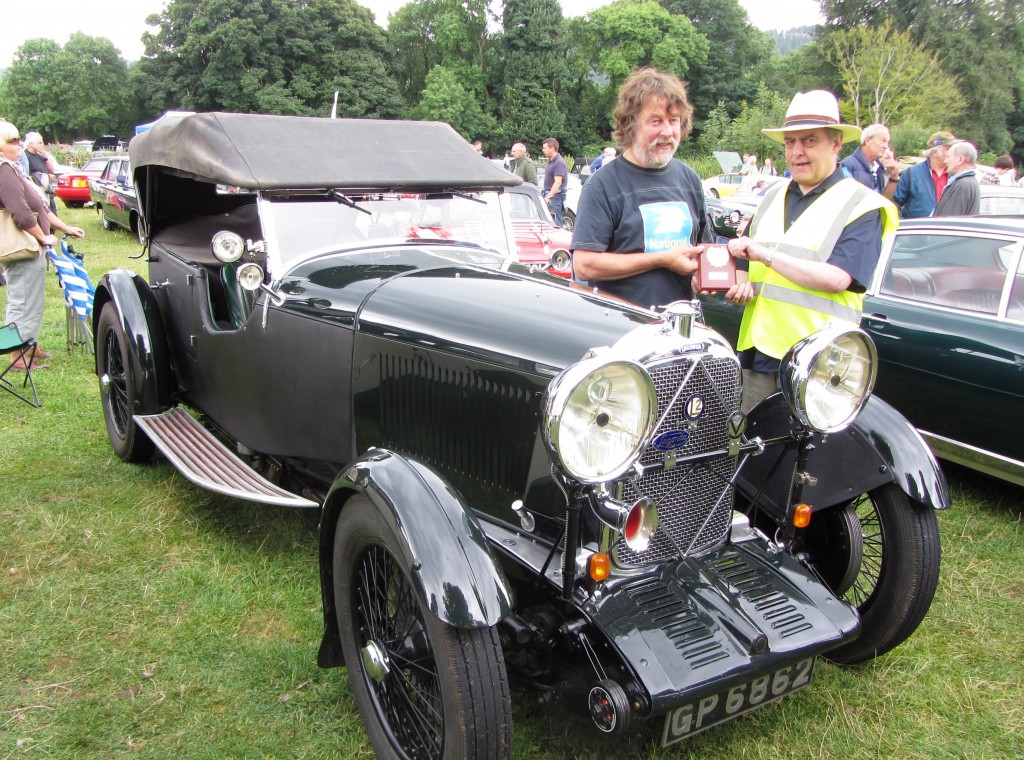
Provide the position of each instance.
(14, 141)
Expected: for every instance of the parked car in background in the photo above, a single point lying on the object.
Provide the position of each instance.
(573, 187)
(946, 312)
(539, 243)
(108, 143)
(999, 200)
(730, 215)
(722, 185)
(114, 198)
(73, 184)
(522, 484)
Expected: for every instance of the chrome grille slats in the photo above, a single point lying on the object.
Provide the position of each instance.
(694, 501)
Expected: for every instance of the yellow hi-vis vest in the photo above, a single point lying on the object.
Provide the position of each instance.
(782, 313)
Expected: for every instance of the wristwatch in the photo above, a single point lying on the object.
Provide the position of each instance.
(768, 258)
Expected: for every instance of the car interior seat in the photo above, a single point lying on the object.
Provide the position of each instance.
(239, 300)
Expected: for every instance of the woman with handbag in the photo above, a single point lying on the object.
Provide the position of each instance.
(25, 231)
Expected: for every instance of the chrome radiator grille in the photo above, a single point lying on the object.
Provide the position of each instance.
(694, 500)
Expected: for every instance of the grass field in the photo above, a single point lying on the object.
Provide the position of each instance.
(141, 615)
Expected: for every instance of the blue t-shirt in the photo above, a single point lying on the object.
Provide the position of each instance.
(556, 168)
(625, 208)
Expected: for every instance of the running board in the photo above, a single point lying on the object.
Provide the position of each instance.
(197, 454)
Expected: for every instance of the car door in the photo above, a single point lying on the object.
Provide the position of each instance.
(121, 193)
(949, 357)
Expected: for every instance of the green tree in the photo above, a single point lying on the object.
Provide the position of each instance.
(979, 42)
(445, 99)
(55, 90)
(631, 33)
(743, 134)
(534, 73)
(740, 54)
(450, 33)
(888, 79)
(279, 56)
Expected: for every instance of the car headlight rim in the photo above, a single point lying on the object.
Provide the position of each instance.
(827, 377)
(599, 416)
(228, 247)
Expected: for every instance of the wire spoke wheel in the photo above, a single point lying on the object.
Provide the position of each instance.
(425, 689)
(881, 553)
(117, 393)
(408, 695)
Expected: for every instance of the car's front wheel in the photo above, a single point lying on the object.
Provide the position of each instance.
(568, 219)
(881, 553)
(105, 223)
(424, 689)
(117, 390)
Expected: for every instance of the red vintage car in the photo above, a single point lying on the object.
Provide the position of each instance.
(540, 244)
(73, 185)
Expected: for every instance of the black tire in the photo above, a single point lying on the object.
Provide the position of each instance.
(442, 691)
(568, 219)
(117, 394)
(104, 222)
(713, 193)
(139, 228)
(893, 580)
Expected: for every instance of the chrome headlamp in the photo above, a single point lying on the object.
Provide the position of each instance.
(560, 260)
(227, 246)
(598, 417)
(827, 377)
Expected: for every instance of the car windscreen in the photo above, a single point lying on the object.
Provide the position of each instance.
(299, 227)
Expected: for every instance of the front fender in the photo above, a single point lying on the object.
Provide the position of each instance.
(880, 447)
(139, 315)
(451, 564)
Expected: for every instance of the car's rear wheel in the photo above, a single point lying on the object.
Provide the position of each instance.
(139, 228)
(713, 193)
(568, 219)
(881, 553)
(117, 389)
(105, 223)
(424, 689)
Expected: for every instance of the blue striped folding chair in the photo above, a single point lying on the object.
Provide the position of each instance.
(78, 294)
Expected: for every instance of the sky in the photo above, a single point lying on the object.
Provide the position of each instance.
(124, 21)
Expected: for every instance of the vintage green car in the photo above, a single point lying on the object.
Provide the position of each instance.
(522, 485)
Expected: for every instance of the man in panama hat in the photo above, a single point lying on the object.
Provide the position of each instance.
(805, 268)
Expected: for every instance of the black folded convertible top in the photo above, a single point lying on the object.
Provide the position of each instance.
(262, 152)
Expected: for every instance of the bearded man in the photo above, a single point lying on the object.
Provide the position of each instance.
(640, 217)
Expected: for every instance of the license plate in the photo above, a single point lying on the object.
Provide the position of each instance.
(717, 708)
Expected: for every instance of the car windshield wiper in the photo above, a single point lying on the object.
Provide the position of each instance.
(464, 196)
(346, 201)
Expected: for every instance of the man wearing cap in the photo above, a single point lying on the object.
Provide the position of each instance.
(921, 186)
(806, 268)
(962, 196)
(640, 217)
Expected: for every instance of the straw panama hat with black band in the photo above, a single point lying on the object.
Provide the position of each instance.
(811, 110)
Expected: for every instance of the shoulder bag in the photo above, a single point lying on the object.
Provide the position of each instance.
(15, 244)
